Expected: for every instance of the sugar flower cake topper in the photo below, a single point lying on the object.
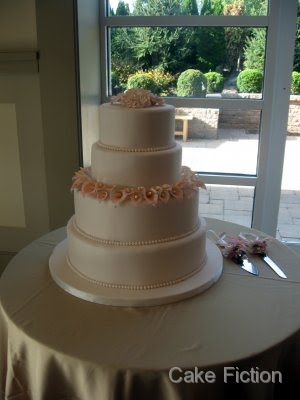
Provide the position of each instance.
(137, 98)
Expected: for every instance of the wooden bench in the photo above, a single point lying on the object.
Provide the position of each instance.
(185, 125)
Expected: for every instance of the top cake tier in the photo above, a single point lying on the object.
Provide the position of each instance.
(137, 128)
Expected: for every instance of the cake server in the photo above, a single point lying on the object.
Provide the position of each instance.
(257, 247)
(247, 265)
(232, 249)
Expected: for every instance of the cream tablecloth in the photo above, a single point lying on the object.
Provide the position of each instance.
(55, 346)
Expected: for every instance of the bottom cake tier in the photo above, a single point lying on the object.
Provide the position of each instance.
(135, 274)
(136, 265)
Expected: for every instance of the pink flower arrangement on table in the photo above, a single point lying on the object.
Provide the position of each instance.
(235, 248)
(253, 244)
(184, 188)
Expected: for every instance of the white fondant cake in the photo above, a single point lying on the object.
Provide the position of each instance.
(136, 238)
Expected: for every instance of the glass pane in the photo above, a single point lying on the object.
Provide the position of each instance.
(288, 229)
(228, 203)
(192, 7)
(219, 140)
(188, 61)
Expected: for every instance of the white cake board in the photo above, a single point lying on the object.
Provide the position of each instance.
(74, 284)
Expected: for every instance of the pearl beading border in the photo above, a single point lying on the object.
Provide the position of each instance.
(134, 150)
(108, 242)
(136, 287)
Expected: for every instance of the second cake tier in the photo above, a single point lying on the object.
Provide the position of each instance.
(136, 222)
(136, 168)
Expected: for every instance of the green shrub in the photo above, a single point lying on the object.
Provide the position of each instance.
(143, 80)
(115, 83)
(250, 81)
(164, 81)
(119, 76)
(157, 81)
(191, 82)
(215, 82)
(295, 85)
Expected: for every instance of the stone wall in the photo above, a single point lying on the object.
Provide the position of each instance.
(206, 121)
(294, 115)
(239, 119)
(250, 119)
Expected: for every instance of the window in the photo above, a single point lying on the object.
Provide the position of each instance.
(234, 139)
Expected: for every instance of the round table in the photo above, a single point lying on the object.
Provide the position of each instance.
(57, 346)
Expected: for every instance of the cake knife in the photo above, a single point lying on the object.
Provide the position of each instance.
(253, 243)
(273, 265)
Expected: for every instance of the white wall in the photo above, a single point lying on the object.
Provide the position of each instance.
(38, 118)
(89, 58)
(17, 25)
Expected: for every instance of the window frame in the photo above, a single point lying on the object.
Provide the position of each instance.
(280, 39)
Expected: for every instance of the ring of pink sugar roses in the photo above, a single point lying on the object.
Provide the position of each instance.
(184, 188)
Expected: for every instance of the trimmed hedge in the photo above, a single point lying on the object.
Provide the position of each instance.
(250, 81)
(143, 80)
(191, 82)
(295, 84)
(215, 82)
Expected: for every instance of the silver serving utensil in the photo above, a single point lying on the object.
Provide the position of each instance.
(247, 265)
(240, 258)
(273, 265)
(251, 239)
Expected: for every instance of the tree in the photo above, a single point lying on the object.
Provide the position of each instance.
(254, 51)
(235, 37)
(189, 7)
(168, 49)
(175, 49)
(252, 7)
(163, 48)
(218, 7)
(296, 66)
(207, 8)
(211, 48)
(122, 8)
(212, 7)
(256, 7)
(211, 40)
(122, 53)
(157, 7)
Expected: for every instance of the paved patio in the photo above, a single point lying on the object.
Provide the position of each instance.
(235, 151)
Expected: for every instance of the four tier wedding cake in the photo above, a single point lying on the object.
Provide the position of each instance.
(136, 238)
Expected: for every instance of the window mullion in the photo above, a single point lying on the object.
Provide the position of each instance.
(207, 102)
(211, 102)
(228, 179)
(279, 61)
(186, 20)
(103, 52)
